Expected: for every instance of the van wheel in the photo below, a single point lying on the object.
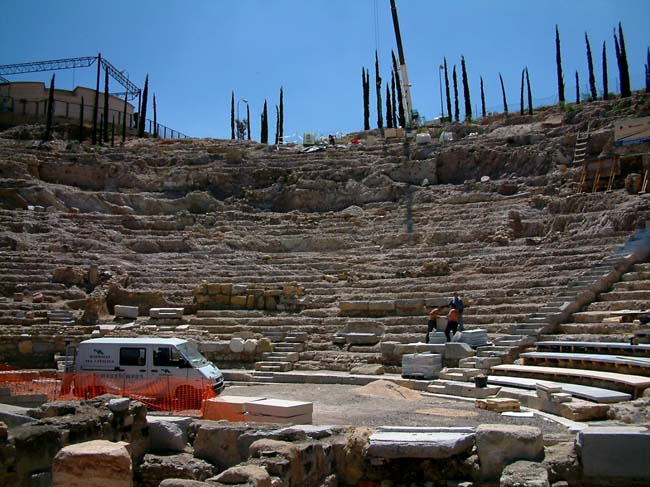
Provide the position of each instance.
(188, 397)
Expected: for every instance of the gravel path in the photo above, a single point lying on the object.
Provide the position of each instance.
(344, 405)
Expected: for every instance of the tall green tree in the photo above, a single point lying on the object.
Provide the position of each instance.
(456, 109)
(647, 71)
(503, 93)
(281, 117)
(400, 94)
(96, 106)
(155, 118)
(521, 96)
(232, 115)
(447, 90)
(106, 106)
(380, 117)
(590, 66)
(468, 101)
(142, 118)
(389, 109)
(617, 50)
(626, 89)
(558, 62)
(277, 125)
(577, 88)
(81, 121)
(248, 121)
(50, 111)
(393, 99)
(530, 94)
(126, 96)
(483, 112)
(605, 87)
(366, 98)
(264, 130)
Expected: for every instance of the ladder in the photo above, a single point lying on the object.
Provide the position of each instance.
(580, 149)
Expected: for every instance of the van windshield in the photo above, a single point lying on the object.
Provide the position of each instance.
(192, 354)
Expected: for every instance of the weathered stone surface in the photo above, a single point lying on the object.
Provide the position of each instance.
(96, 463)
(500, 444)
(166, 437)
(184, 483)
(154, 469)
(119, 405)
(613, 452)
(561, 462)
(457, 351)
(524, 474)
(251, 475)
(125, 311)
(368, 369)
(411, 444)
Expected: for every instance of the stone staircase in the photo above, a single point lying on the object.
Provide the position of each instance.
(286, 351)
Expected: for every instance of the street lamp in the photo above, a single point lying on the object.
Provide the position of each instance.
(442, 112)
(241, 127)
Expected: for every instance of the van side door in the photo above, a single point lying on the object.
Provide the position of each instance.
(168, 362)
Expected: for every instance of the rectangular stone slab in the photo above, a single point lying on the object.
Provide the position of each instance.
(126, 311)
(260, 418)
(280, 408)
(616, 452)
(595, 394)
(408, 444)
(166, 312)
(231, 408)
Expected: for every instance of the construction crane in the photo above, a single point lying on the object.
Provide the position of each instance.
(406, 87)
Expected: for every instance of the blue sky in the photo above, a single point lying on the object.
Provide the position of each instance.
(197, 51)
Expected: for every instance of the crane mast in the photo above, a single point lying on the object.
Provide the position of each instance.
(406, 87)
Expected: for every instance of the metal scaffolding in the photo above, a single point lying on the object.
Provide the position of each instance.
(132, 91)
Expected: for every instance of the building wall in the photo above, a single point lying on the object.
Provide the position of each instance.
(30, 98)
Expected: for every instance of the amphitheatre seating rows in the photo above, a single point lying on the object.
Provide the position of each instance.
(632, 384)
(603, 348)
(617, 363)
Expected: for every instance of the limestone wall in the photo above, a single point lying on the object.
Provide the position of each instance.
(213, 296)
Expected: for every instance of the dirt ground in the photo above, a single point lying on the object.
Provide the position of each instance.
(385, 406)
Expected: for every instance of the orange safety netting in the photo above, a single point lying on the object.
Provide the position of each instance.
(161, 393)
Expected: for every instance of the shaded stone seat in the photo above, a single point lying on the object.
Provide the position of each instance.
(632, 384)
(595, 394)
(603, 348)
(614, 363)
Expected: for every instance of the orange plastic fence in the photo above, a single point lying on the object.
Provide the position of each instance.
(163, 393)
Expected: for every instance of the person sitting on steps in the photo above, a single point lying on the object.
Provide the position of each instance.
(452, 321)
(431, 324)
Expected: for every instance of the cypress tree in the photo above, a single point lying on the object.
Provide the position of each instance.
(590, 65)
(605, 87)
(447, 90)
(400, 95)
(617, 49)
(81, 121)
(126, 95)
(232, 115)
(50, 111)
(483, 113)
(530, 94)
(468, 101)
(558, 62)
(143, 111)
(106, 105)
(393, 99)
(155, 118)
(277, 125)
(248, 121)
(647, 72)
(503, 92)
(521, 96)
(281, 117)
(113, 132)
(366, 98)
(264, 131)
(626, 89)
(577, 88)
(456, 109)
(380, 118)
(389, 109)
(96, 106)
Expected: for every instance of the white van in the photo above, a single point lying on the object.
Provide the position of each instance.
(150, 369)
